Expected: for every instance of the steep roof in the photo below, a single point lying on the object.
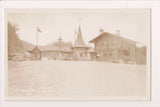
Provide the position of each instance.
(79, 40)
(110, 34)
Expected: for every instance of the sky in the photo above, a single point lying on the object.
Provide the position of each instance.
(132, 23)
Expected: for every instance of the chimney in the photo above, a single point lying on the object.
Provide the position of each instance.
(118, 32)
(101, 31)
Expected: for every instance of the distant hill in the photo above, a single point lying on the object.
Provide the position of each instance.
(16, 45)
(27, 46)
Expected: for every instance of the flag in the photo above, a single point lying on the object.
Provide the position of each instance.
(38, 29)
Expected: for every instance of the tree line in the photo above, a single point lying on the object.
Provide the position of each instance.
(14, 43)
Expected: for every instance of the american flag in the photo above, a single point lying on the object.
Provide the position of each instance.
(38, 29)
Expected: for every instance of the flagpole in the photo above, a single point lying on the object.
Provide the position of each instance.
(37, 38)
(38, 30)
(74, 35)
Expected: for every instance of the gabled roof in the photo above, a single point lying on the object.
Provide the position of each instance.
(110, 34)
(52, 48)
(80, 46)
(33, 48)
(67, 49)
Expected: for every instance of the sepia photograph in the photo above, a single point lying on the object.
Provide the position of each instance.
(77, 53)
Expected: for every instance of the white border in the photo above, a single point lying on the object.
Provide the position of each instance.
(155, 37)
(21, 10)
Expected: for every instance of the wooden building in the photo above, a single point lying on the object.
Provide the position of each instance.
(80, 49)
(35, 54)
(113, 47)
(55, 53)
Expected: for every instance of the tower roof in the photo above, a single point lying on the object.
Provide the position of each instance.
(79, 40)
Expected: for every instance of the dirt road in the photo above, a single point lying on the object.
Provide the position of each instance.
(75, 78)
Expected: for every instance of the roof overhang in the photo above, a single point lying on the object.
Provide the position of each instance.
(109, 34)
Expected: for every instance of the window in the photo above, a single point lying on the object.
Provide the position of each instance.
(110, 54)
(105, 54)
(81, 54)
(125, 52)
(85, 54)
(109, 42)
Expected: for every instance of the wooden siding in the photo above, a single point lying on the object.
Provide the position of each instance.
(110, 48)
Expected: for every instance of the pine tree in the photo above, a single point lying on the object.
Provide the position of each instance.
(14, 43)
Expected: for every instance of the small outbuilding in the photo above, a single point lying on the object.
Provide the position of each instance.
(35, 54)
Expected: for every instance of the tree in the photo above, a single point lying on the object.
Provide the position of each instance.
(61, 44)
(141, 53)
(14, 43)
